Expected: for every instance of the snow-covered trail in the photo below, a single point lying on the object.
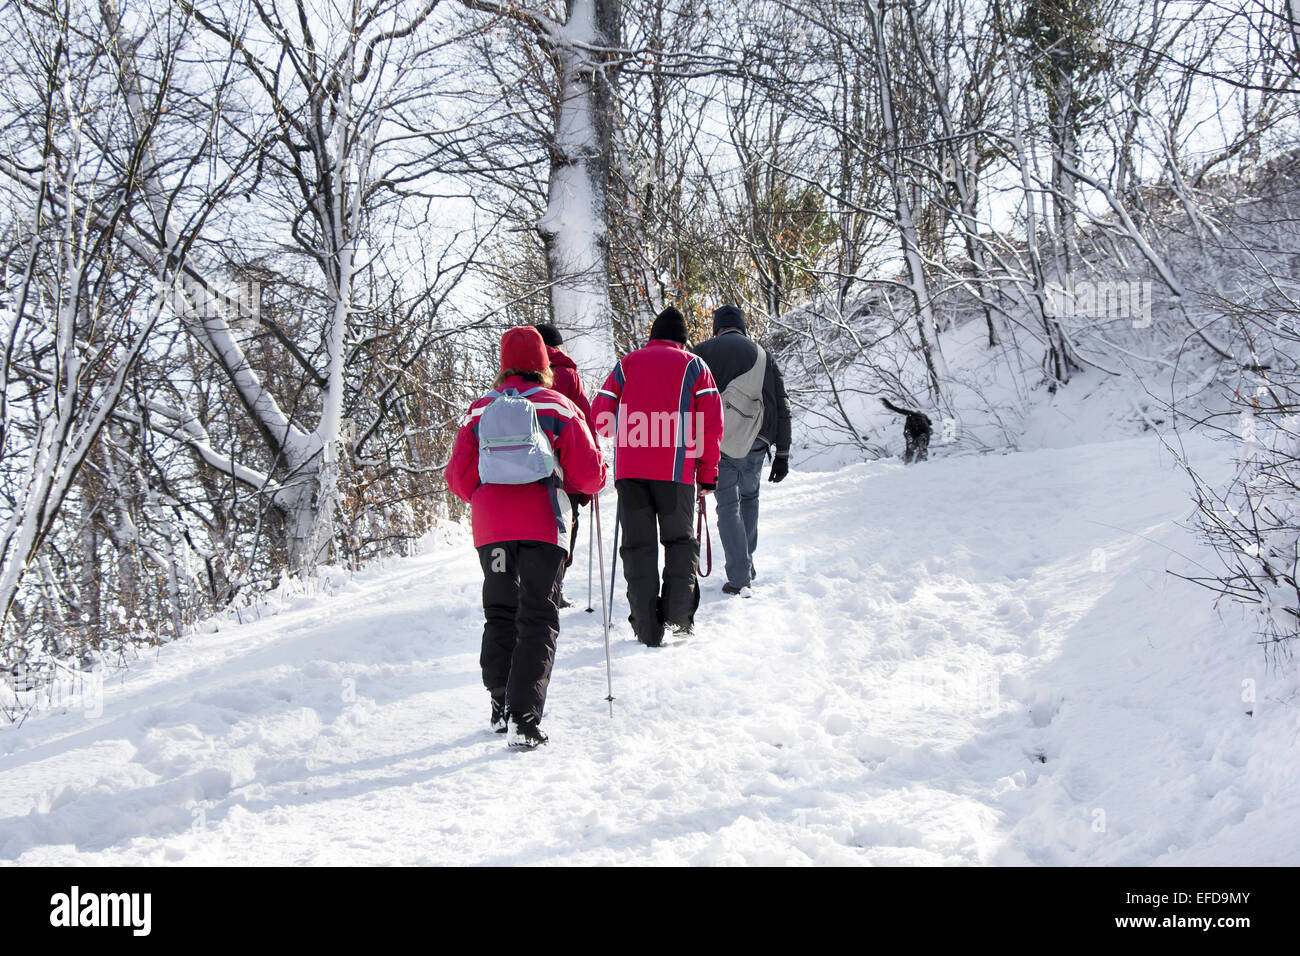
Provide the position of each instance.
(977, 660)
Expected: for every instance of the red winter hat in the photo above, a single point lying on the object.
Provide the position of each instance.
(522, 349)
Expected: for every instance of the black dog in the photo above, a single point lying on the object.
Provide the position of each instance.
(917, 432)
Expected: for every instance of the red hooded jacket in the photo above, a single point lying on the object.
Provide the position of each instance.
(664, 407)
(568, 384)
(537, 511)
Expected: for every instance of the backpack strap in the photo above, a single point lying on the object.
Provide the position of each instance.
(532, 391)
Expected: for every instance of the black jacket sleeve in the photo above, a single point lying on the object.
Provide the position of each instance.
(776, 409)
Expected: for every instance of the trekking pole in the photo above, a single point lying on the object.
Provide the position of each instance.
(591, 537)
(613, 566)
(604, 605)
(613, 569)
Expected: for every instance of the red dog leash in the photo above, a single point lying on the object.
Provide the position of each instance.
(702, 534)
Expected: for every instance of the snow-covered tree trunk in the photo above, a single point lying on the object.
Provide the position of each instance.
(904, 220)
(309, 500)
(575, 224)
(1060, 359)
(1064, 150)
(963, 172)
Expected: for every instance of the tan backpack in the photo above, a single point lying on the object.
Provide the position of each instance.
(742, 409)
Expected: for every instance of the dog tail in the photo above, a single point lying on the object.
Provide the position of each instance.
(894, 408)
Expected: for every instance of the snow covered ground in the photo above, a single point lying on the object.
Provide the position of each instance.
(976, 660)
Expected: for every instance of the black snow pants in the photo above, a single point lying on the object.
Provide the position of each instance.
(521, 622)
(651, 513)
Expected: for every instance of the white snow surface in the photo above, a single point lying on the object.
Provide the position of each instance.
(977, 660)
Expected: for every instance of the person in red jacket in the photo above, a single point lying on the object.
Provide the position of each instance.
(663, 406)
(522, 535)
(568, 384)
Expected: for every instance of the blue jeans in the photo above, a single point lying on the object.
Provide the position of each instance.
(737, 503)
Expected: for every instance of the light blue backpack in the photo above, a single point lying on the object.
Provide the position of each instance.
(512, 447)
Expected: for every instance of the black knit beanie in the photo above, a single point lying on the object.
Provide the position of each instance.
(669, 324)
(551, 335)
(728, 317)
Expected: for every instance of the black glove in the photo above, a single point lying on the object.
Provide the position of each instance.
(704, 486)
(580, 501)
(780, 466)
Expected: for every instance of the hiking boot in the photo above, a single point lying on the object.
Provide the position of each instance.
(499, 716)
(557, 595)
(652, 634)
(683, 630)
(525, 734)
(732, 590)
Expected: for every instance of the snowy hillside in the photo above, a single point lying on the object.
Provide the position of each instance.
(981, 659)
(994, 399)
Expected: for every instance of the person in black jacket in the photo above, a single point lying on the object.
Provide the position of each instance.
(732, 357)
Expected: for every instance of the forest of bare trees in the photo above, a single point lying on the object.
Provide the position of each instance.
(257, 253)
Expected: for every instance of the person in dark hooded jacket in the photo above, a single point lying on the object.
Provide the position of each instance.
(569, 384)
(733, 358)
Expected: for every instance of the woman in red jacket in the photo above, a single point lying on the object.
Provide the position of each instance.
(521, 532)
